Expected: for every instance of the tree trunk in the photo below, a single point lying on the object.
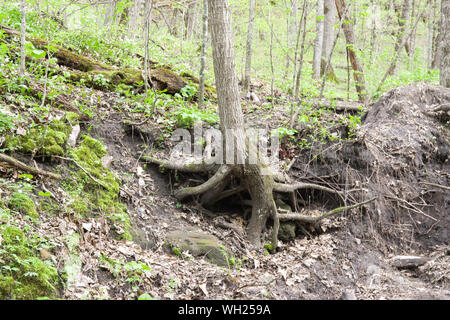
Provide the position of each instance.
(231, 118)
(358, 73)
(110, 12)
(328, 30)
(248, 56)
(22, 39)
(403, 22)
(319, 40)
(439, 40)
(445, 45)
(201, 86)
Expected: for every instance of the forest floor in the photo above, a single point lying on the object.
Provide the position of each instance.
(335, 263)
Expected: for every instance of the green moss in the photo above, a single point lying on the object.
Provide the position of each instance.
(47, 140)
(90, 197)
(22, 202)
(23, 275)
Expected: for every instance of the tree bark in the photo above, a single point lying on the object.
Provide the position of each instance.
(319, 39)
(328, 30)
(358, 73)
(403, 22)
(248, 56)
(201, 86)
(22, 39)
(445, 44)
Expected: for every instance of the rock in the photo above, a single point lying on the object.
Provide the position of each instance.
(146, 240)
(72, 140)
(287, 231)
(199, 244)
(373, 270)
(106, 161)
(283, 205)
(402, 262)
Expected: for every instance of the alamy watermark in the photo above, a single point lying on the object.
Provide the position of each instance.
(236, 146)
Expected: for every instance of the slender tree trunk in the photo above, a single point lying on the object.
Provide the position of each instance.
(445, 45)
(147, 22)
(302, 50)
(358, 73)
(201, 87)
(248, 56)
(439, 40)
(319, 39)
(412, 41)
(328, 30)
(272, 83)
(110, 13)
(374, 31)
(403, 23)
(430, 28)
(22, 39)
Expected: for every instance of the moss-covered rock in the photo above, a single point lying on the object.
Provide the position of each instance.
(287, 231)
(23, 274)
(198, 244)
(43, 139)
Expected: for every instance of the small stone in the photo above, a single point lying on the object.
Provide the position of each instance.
(72, 140)
(408, 261)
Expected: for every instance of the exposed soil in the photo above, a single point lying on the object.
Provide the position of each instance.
(349, 255)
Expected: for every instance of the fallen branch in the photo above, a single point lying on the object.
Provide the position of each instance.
(436, 185)
(317, 219)
(22, 166)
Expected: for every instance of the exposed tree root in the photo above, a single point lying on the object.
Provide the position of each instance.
(221, 174)
(194, 167)
(316, 219)
(22, 166)
(260, 186)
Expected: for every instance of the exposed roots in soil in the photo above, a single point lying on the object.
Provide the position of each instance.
(260, 187)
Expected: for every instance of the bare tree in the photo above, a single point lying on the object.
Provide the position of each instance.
(201, 86)
(22, 38)
(248, 56)
(319, 39)
(358, 73)
(328, 29)
(403, 23)
(445, 44)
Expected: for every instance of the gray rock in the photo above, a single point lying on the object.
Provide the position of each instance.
(72, 140)
(287, 231)
(146, 240)
(199, 244)
(408, 261)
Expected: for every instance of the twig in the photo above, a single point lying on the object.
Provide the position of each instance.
(436, 185)
(84, 170)
(22, 166)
